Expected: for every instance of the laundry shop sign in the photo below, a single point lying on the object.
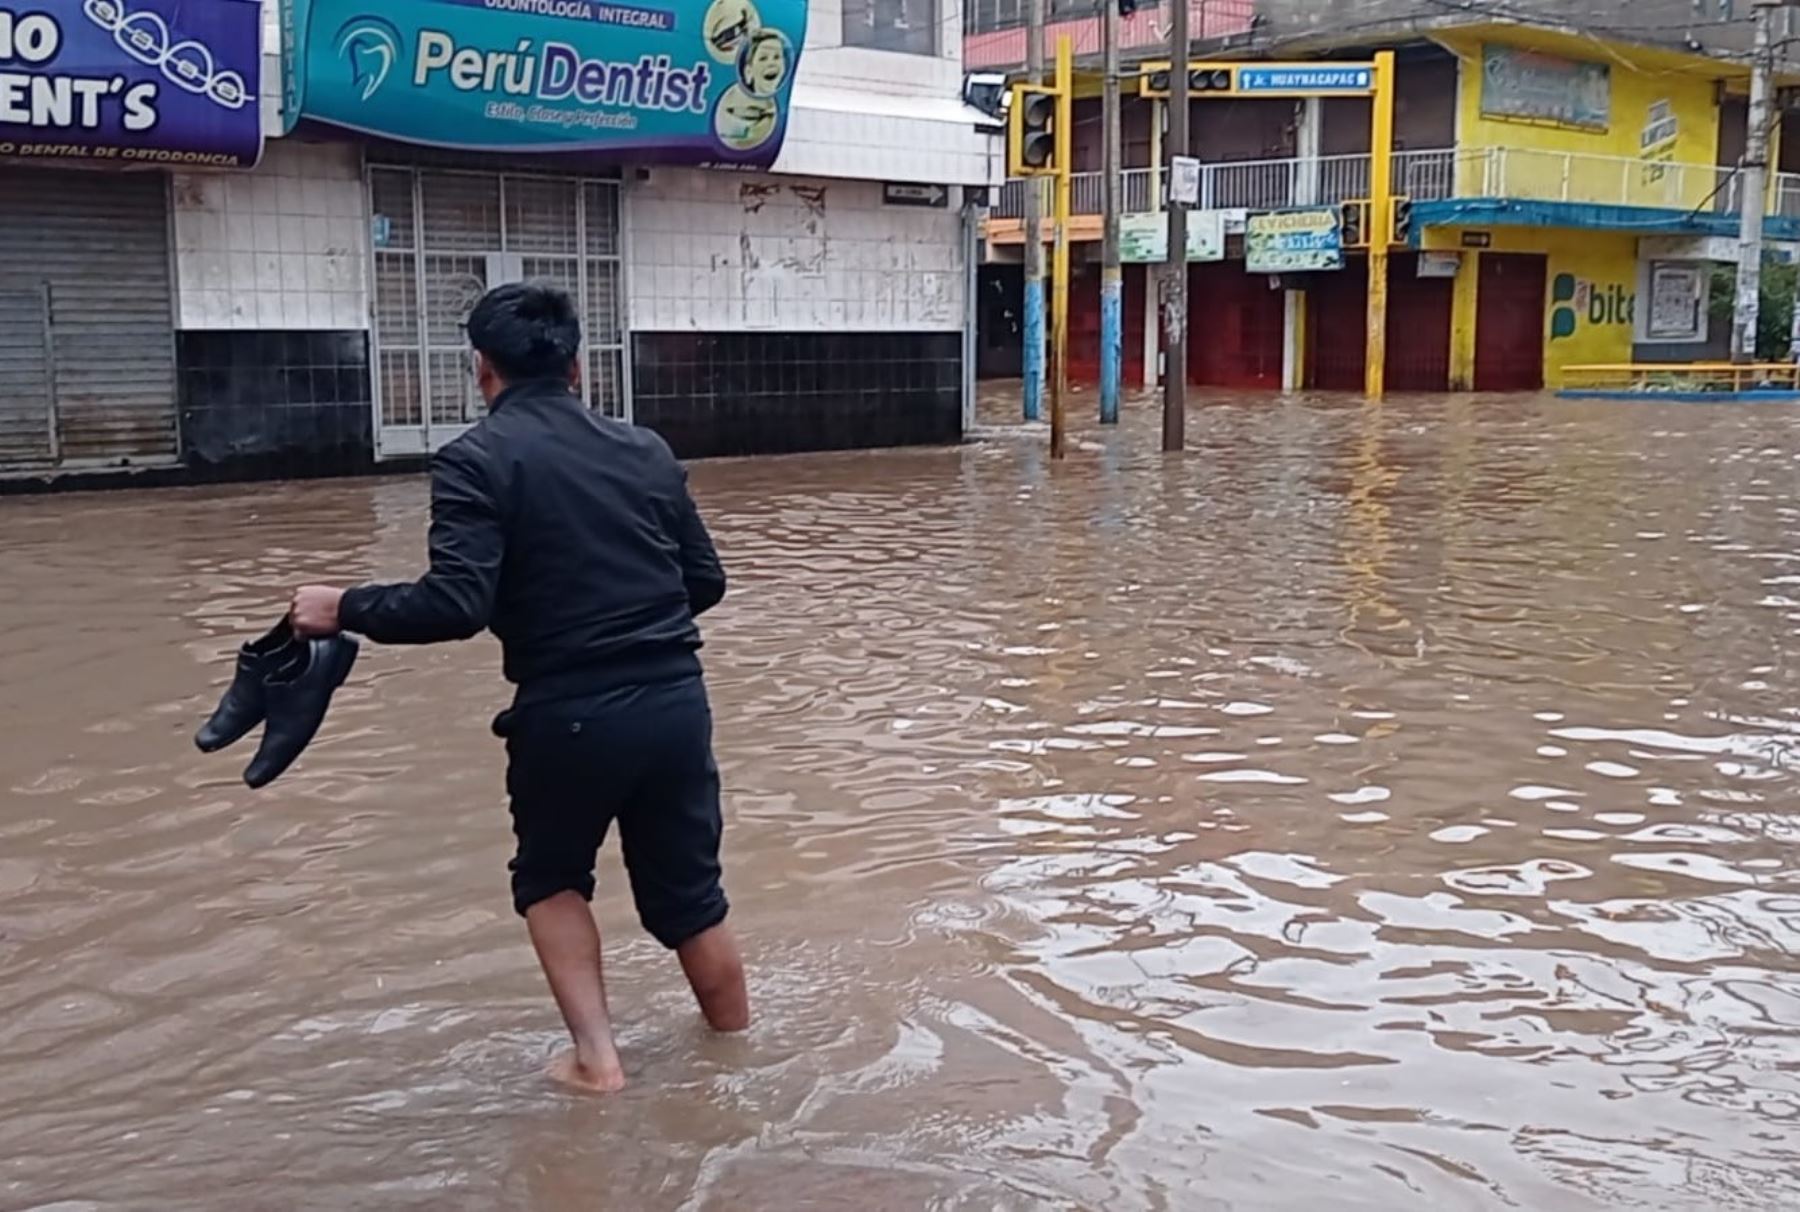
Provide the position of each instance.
(699, 84)
(131, 82)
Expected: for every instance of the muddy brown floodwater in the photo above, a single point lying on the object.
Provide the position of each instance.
(1379, 808)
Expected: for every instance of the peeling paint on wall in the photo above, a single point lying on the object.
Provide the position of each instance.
(763, 254)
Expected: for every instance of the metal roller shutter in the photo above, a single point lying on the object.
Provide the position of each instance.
(27, 431)
(97, 247)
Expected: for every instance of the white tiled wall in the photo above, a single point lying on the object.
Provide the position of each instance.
(280, 247)
(713, 251)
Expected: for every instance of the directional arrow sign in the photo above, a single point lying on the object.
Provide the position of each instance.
(937, 197)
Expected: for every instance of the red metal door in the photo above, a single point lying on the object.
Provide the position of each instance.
(1418, 342)
(1509, 322)
(1134, 277)
(1235, 328)
(1337, 326)
(1418, 345)
(1084, 323)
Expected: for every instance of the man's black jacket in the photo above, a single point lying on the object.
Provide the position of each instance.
(570, 535)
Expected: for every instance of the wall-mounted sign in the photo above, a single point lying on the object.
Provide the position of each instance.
(1144, 239)
(1439, 264)
(1688, 248)
(1184, 181)
(1293, 241)
(1528, 85)
(132, 81)
(1478, 239)
(1316, 79)
(703, 84)
(936, 197)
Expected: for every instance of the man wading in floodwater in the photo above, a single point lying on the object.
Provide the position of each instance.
(574, 538)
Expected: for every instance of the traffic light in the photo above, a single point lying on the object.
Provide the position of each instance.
(1210, 80)
(1403, 220)
(1353, 223)
(1031, 152)
(1203, 79)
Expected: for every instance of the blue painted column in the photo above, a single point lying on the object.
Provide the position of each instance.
(1034, 347)
(1112, 341)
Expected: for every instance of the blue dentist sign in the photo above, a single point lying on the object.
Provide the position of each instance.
(696, 85)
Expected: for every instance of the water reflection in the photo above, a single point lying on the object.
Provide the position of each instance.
(1380, 807)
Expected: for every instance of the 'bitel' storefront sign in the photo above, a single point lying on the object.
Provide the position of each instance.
(131, 81)
(1293, 241)
(701, 84)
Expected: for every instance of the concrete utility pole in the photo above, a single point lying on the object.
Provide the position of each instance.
(1112, 283)
(1034, 233)
(1175, 285)
(1748, 309)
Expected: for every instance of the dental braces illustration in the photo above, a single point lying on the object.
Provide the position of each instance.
(188, 65)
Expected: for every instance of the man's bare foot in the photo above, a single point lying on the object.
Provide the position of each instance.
(602, 1075)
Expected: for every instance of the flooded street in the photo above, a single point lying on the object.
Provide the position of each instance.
(1380, 807)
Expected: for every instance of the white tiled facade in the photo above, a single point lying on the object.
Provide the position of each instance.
(808, 247)
(720, 252)
(280, 248)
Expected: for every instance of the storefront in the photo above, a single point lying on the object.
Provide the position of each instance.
(494, 146)
(764, 262)
(96, 104)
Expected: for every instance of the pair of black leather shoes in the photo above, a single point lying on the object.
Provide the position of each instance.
(287, 682)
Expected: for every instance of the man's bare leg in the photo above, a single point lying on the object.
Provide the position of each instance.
(715, 970)
(568, 946)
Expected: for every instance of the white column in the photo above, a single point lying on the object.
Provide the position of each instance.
(1309, 137)
(1152, 328)
(1293, 341)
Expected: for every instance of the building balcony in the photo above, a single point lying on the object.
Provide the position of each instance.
(1498, 186)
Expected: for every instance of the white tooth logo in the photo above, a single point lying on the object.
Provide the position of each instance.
(370, 46)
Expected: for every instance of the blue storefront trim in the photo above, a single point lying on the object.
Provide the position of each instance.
(1644, 220)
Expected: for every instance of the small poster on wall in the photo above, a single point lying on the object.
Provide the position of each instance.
(1677, 302)
(1529, 86)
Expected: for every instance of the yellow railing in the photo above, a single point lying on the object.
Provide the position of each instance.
(1650, 378)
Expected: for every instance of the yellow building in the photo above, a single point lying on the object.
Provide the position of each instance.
(1568, 201)
(1603, 160)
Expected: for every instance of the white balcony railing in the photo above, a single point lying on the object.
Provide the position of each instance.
(1253, 184)
(1431, 175)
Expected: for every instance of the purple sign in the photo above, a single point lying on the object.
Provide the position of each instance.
(132, 82)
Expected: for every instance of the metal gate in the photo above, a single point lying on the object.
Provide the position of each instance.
(441, 238)
(87, 330)
(27, 377)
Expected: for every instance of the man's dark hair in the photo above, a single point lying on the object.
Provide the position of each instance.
(527, 330)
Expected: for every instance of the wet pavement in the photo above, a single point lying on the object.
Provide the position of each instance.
(1380, 807)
